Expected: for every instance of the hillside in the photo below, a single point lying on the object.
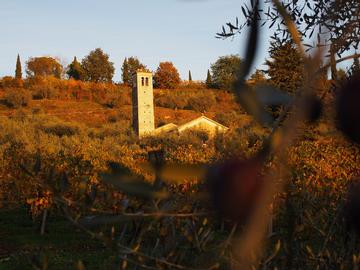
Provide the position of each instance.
(101, 103)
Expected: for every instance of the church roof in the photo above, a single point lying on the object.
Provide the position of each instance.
(201, 119)
(166, 128)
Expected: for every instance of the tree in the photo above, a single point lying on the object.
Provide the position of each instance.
(341, 75)
(43, 66)
(285, 66)
(337, 22)
(134, 65)
(208, 81)
(18, 71)
(258, 77)
(97, 67)
(166, 76)
(126, 78)
(224, 71)
(75, 70)
(355, 67)
(190, 77)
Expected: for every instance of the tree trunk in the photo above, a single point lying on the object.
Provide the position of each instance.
(333, 62)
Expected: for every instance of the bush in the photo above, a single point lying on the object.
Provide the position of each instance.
(17, 98)
(112, 118)
(47, 92)
(45, 87)
(201, 103)
(62, 129)
(171, 101)
(197, 100)
(227, 118)
(37, 110)
(192, 85)
(10, 82)
(196, 136)
(115, 99)
(116, 116)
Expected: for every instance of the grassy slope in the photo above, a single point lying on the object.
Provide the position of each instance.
(94, 114)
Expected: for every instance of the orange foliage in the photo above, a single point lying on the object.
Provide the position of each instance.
(166, 76)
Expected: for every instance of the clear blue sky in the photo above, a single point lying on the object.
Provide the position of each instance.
(181, 31)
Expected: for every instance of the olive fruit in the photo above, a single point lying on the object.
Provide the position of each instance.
(234, 186)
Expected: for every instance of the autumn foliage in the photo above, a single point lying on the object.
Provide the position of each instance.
(166, 76)
(43, 66)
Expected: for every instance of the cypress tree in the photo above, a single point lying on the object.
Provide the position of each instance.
(75, 70)
(190, 77)
(125, 72)
(18, 71)
(208, 81)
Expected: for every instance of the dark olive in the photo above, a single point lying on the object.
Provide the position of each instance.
(234, 186)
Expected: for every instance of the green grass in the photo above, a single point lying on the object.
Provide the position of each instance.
(63, 245)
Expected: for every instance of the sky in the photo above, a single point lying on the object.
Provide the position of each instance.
(180, 31)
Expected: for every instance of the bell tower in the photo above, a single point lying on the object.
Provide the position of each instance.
(143, 104)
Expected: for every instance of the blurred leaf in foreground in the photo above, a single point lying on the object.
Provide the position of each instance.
(121, 178)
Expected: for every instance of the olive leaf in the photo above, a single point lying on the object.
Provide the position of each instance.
(121, 178)
(175, 172)
(245, 96)
(269, 95)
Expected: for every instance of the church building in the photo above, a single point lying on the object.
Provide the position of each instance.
(143, 120)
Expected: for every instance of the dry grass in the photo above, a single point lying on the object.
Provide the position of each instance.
(94, 114)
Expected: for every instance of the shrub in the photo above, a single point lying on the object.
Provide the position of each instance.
(47, 92)
(45, 87)
(17, 98)
(115, 99)
(192, 85)
(37, 110)
(120, 131)
(62, 129)
(171, 101)
(225, 118)
(10, 82)
(201, 103)
(116, 116)
(196, 136)
(112, 118)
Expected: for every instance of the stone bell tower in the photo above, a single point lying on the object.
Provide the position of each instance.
(143, 104)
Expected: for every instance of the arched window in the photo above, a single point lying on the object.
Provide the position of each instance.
(147, 81)
(142, 81)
